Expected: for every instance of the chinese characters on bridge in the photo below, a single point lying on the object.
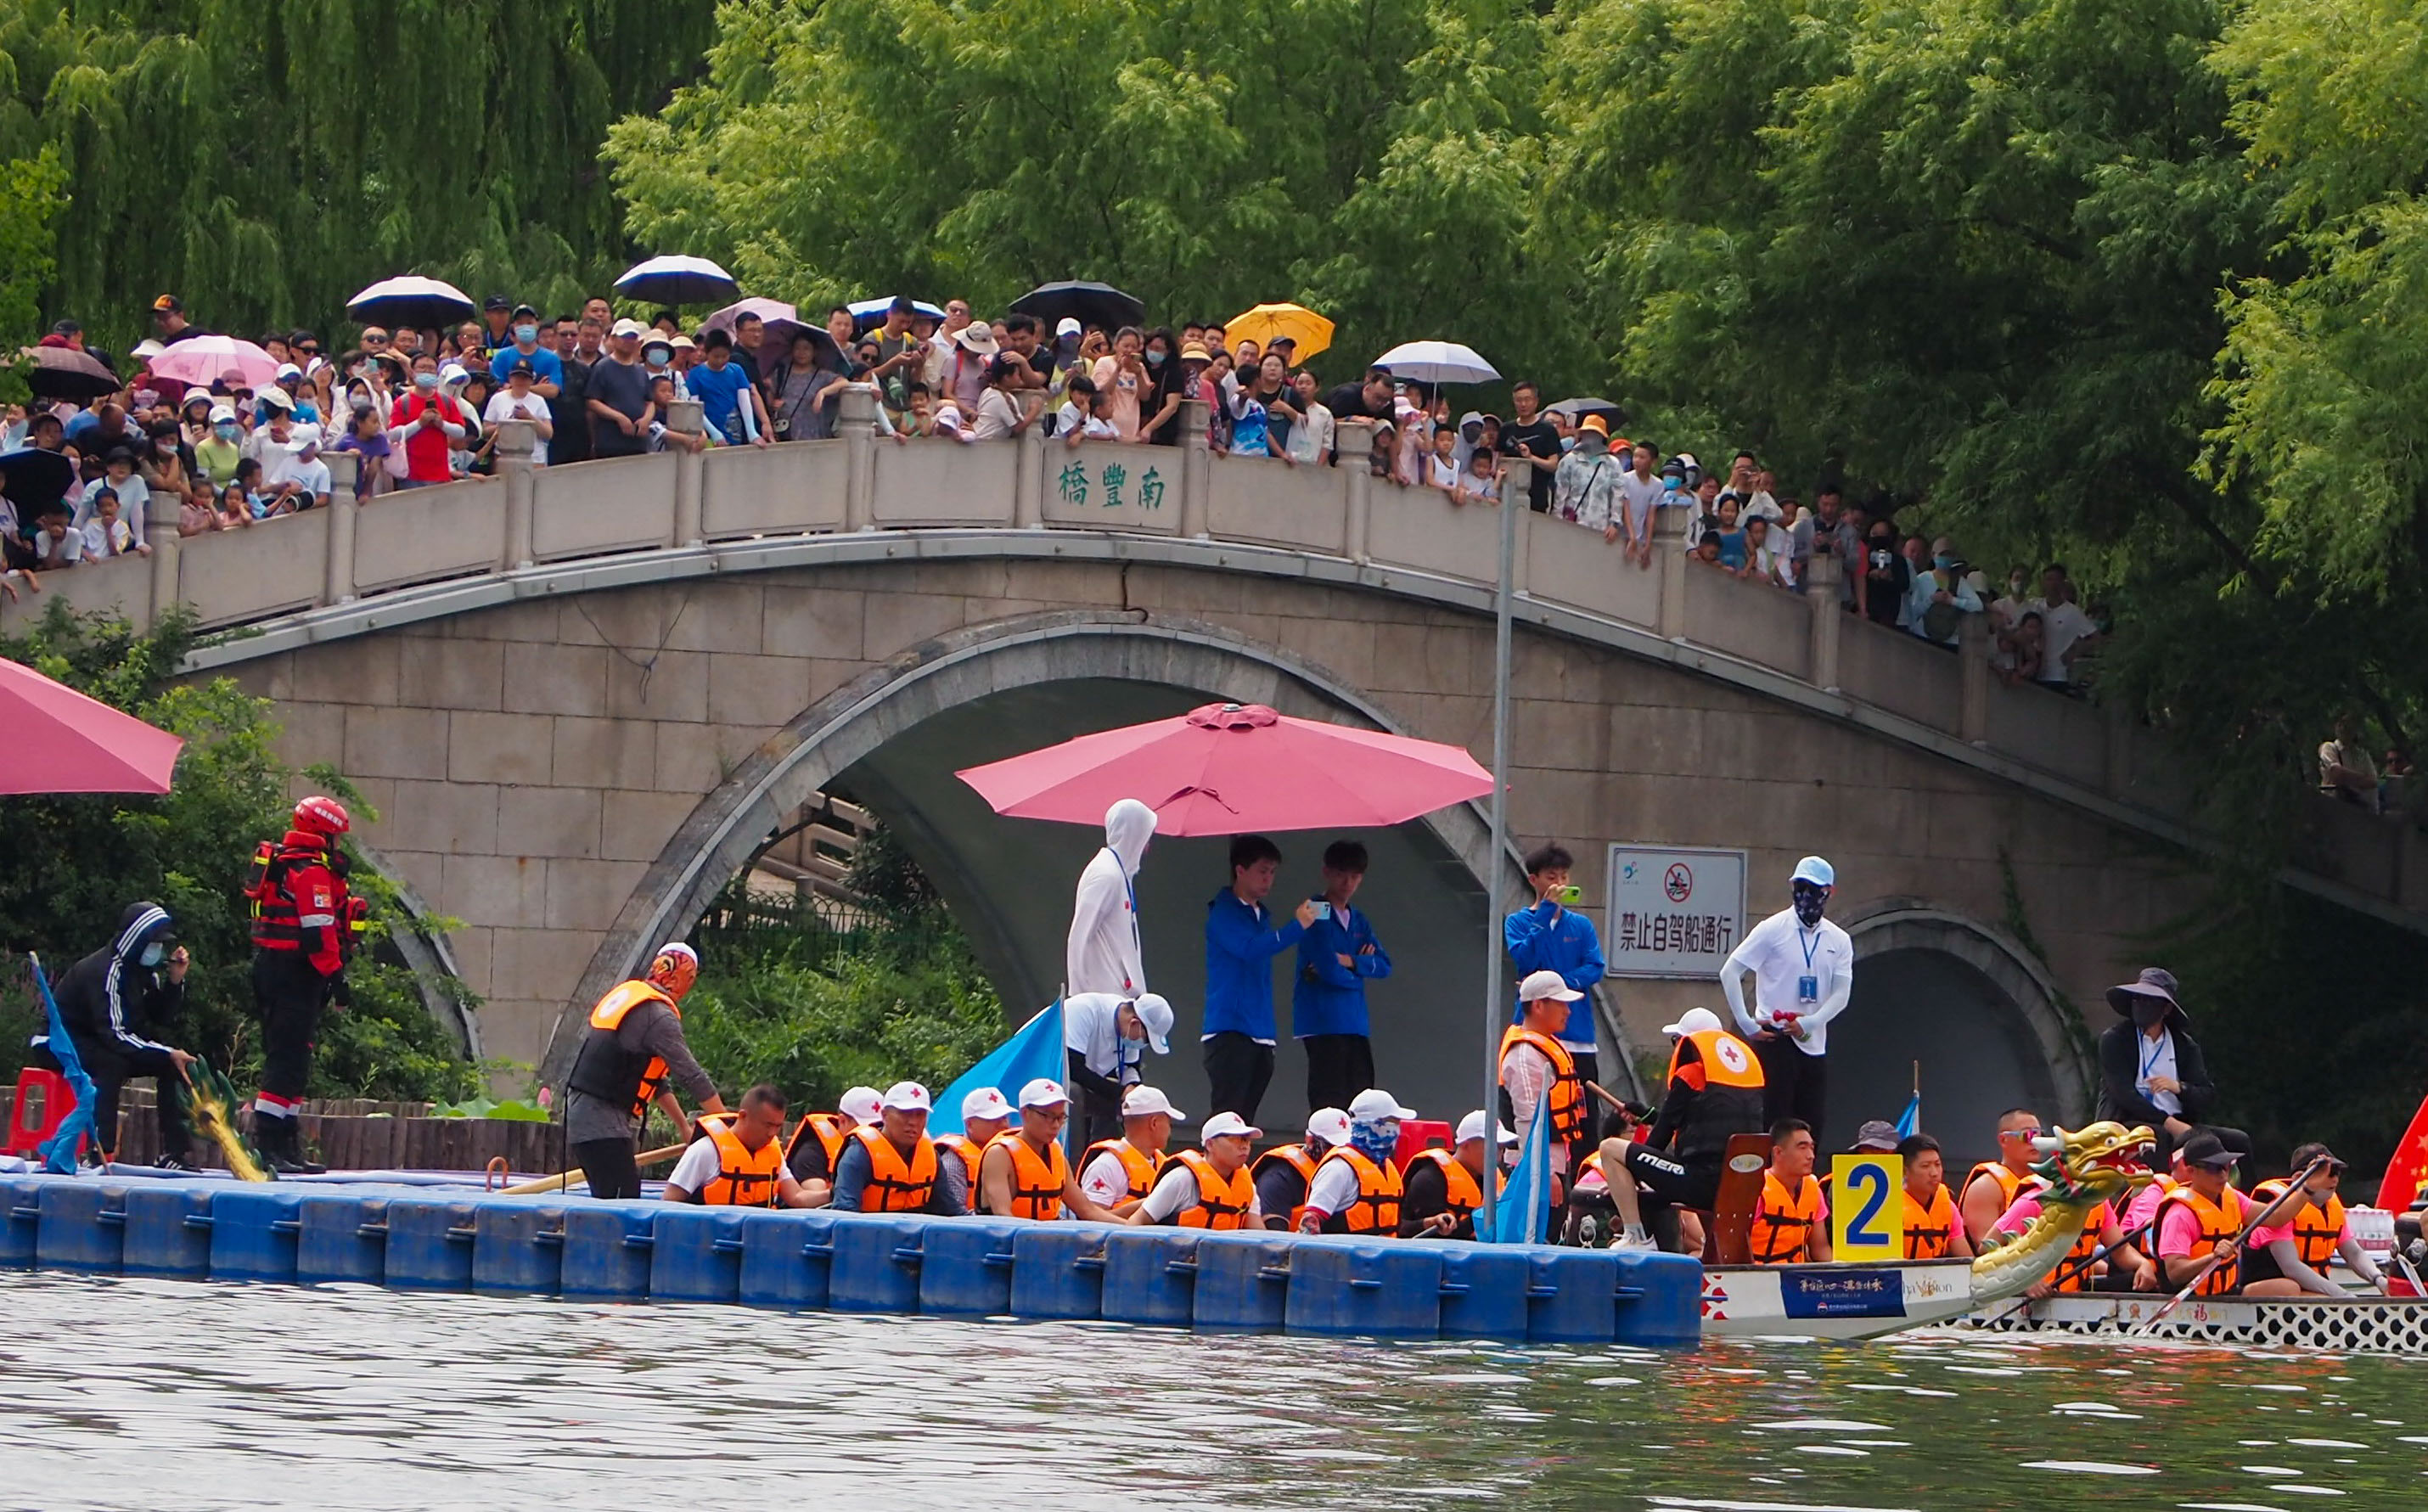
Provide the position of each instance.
(1076, 487)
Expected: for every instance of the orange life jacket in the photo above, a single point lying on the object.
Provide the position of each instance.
(603, 1068)
(1296, 1158)
(745, 1177)
(2218, 1220)
(896, 1185)
(829, 1131)
(1037, 1181)
(971, 1157)
(1223, 1202)
(1929, 1230)
(1782, 1226)
(1376, 1209)
(1137, 1164)
(1567, 1093)
(2317, 1233)
(1465, 1193)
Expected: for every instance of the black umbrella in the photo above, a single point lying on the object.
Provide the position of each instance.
(778, 344)
(1085, 303)
(411, 303)
(35, 479)
(63, 373)
(1577, 409)
(678, 279)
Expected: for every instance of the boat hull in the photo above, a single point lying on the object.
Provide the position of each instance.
(2356, 1326)
(1832, 1301)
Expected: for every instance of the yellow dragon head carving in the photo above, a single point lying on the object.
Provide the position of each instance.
(2097, 1163)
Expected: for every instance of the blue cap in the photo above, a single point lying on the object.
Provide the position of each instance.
(1816, 871)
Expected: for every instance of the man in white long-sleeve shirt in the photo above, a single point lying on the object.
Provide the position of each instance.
(1803, 970)
(1105, 1036)
(1103, 955)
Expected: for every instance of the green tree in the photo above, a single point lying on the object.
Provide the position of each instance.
(29, 202)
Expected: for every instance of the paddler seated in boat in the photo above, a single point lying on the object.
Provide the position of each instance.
(1932, 1230)
(1118, 1174)
(2306, 1235)
(1356, 1190)
(1208, 1187)
(1791, 1225)
(1024, 1174)
(1445, 1188)
(891, 1166)
(1989, 1187)
(1281, 1173)
(735, 1162)
(985, 1113)
(817, 1142)
(1712, 1093)
(2201, 1221)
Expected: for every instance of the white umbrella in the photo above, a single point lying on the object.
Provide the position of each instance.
(1438, 362)
(678, 280)
(768, 310)
(422, 304)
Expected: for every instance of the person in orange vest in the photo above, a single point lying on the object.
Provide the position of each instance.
(1445, 1188)
(1283, 1173)
(1932, 1230)
(304, 930)
(1990, 1187)
(1712, 1092)
(1024, 1174)
(1118, 1174)
(2308, 1233)
(1791, 1225)
(1356, 1190)
(817, 1140)
(891, 1166)
(1536, 1070)
(984, 1115)
(631, 1049)
(2202, 1221)
(1208, 1187)
(736, 1161)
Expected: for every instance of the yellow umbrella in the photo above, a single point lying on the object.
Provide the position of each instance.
(1268, 323)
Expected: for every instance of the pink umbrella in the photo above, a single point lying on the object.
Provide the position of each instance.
(59, 741)
(1229, 769)
(203, 360)
(768, 310)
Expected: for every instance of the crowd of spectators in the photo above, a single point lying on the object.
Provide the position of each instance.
(421, 408)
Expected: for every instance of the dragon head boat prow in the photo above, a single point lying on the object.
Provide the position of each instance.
(2081, 1168)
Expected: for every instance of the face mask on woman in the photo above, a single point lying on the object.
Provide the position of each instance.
(224, 430)
(1153, 357)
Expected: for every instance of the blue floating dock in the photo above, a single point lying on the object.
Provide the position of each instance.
(439, 1238)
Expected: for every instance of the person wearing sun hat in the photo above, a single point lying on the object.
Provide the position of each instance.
(2151, 1069)
(1585, 487)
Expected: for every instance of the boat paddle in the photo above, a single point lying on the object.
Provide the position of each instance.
(2216, 1257)
(558, 1183)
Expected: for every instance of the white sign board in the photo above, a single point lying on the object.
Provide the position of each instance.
(1673, 912)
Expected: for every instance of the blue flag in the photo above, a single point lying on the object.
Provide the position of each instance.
(1518, 1218)
(1035, 1051)
(59, 1153)
(1909, 1122)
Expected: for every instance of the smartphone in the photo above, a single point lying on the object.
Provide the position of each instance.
(1568, 897)
(1323, 910)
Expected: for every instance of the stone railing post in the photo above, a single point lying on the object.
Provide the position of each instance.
(1196, 469)
(514, 439)
(1028, 482)
(1354, 440)
(1517, 496)
(856, 422)
(686, 416)
(160, 512)
(337, 578)
(1823, 572)
(1670, 559)
(1973, 651)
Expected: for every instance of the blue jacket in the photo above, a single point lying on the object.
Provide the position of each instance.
(1240, 943)
(1562, 940)
(1328, 997)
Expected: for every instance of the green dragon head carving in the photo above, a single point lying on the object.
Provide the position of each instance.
(2089, 1165)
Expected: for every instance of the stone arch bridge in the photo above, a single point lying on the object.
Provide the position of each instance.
(581, 698)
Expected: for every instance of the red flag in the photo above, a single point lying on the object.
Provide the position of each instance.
(2405, 1167)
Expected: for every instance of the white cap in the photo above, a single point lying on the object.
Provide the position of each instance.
(221, 410)
(276, 398)
(1043, 1092)
(987, 1102)
(1329, 1124)
(675, 947)
(1221, 1124)
(288, 369)
(1693, 1020)
(1066, 326)
(453, 373)
(1375, 1104)
(147, 348)
(1816, 871)
(1144, 1102)
(1471, 1127)
(861, 1104)
(627, 326)
(905, 1097)
(1156, 1015)
(1541, 984)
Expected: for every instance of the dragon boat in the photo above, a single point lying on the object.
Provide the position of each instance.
(1858, 1300)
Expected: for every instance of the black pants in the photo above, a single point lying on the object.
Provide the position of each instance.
(1238, 1070)
(1793, 1084)
(111, 1072)
(610, 1168)
(288, 996)
(1339, 1068)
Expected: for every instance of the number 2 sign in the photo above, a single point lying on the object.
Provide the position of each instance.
(1866, 1207)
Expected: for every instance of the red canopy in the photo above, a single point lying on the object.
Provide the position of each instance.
(1230, 768)
(59, 741)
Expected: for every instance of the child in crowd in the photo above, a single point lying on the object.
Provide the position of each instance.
(235, 509)
(1441, 467)
(107, 534)
(1479, 483)
(195, 514)
(1087, 415)
(1767, 555)
(367, 437)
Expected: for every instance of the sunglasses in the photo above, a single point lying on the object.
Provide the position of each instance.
(2021, 1134)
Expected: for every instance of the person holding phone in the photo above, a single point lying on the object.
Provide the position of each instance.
(1337, 957)
(1551, 935)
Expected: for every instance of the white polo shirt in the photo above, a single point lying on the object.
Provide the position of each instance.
(1780, 953)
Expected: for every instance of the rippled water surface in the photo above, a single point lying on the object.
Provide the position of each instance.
(170, 1394)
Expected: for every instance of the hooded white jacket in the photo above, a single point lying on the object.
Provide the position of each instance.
(1103, 955)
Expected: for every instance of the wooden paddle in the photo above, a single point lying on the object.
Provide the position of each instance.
(558, 1183)
(2218, 1257)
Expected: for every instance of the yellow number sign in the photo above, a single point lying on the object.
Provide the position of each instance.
(1867, 1207)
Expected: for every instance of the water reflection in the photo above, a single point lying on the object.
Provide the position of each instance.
(142, 1394)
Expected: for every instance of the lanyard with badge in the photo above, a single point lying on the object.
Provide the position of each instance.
(2157, 1051)
(1808, 987)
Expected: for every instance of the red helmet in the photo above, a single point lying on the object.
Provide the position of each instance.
(322, 816)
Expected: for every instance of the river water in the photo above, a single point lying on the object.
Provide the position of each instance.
(123, 1394)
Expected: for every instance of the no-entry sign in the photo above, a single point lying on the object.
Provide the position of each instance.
(1673, 912)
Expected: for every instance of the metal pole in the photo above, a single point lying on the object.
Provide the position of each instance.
(1494, 1010)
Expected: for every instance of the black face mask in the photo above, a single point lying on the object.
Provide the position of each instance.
(1810, 902)
(2148, 1012)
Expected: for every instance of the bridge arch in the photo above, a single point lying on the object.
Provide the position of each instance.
(893, 737)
